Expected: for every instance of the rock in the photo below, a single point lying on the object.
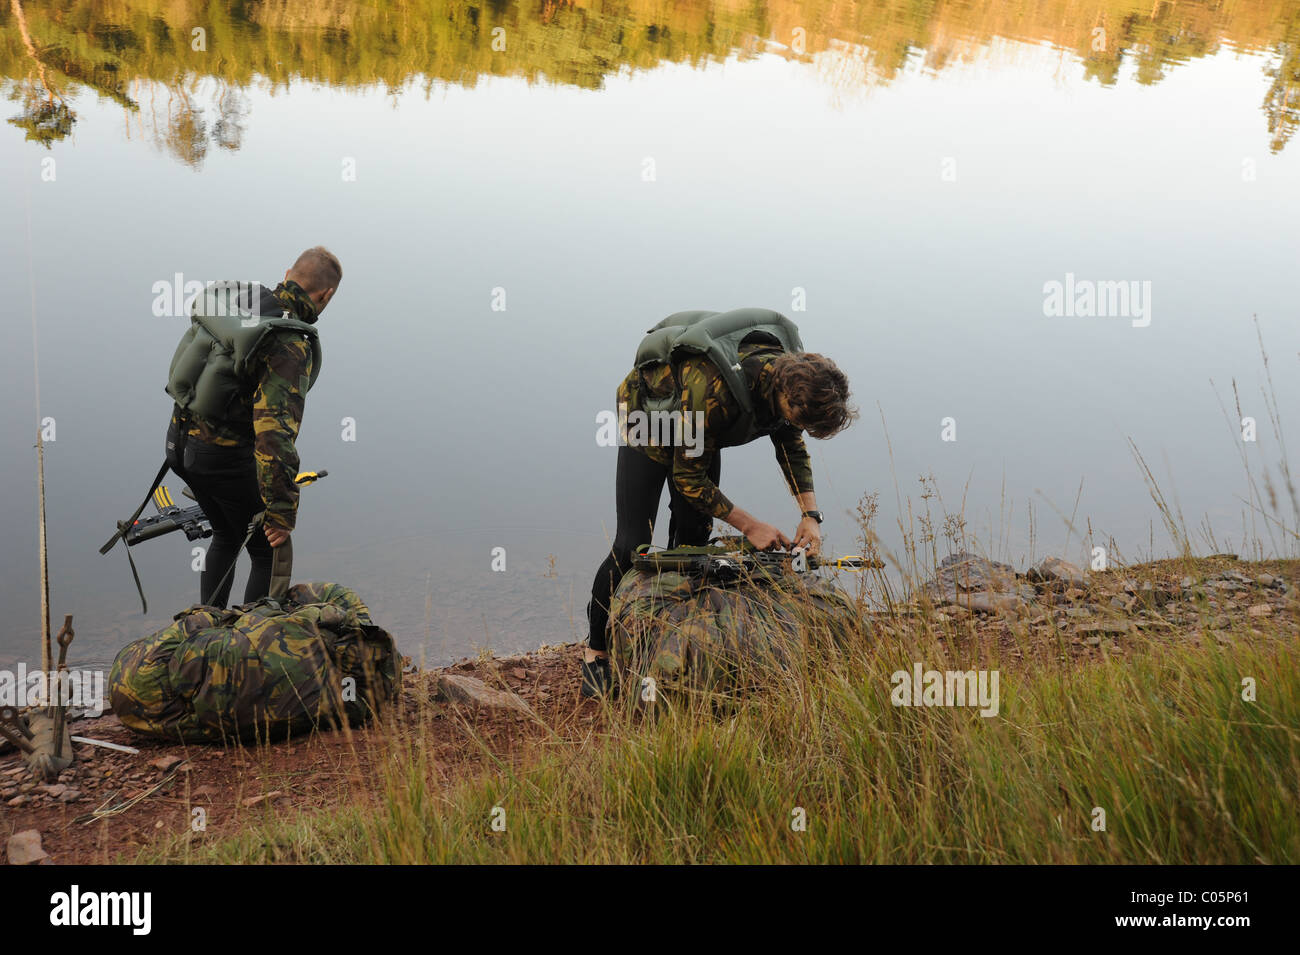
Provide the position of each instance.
(1259, 610)
(990, 602)
(1227, 586)
(468, 690)
(1092, 641)
(519, 673)
(1267, 580)
(1151, 597)
(1104, 626)
(1237, 577)
(1187, 583)
(17, 801)
(1118, 603)
(966, 573)
(252, 801)
(1078, 612)
(70, 795)
(24, 848)
(1056, 570)
(165, 762)
(57, 790)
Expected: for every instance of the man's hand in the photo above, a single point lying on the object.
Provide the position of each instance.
(808, 535)
(763, 536)
(275, 535)
(766, 537)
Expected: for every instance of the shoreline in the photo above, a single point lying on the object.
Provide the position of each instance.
(479, 718)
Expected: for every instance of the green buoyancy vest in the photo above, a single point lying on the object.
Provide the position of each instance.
(229, 323)
(718, 337)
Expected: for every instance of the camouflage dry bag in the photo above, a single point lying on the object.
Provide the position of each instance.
(689, 619)
(258, 672)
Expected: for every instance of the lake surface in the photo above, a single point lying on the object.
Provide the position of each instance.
(904, 181)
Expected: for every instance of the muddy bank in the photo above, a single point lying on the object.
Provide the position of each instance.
(231, 784)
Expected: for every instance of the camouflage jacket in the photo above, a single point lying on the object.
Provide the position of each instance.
(704, 389)
(269, 412)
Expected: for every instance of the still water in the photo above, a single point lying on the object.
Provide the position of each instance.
(517, 192)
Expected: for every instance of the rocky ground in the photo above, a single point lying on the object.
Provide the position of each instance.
(1217, 598)
(110, 804)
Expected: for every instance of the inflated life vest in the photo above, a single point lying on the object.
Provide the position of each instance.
(228, 324)
(718, 337)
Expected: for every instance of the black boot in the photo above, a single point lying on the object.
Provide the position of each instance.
(597, 680)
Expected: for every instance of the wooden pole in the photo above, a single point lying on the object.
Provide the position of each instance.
(47, 657)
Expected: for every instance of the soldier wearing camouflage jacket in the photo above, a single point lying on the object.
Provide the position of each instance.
(787, 391)
(244, 462)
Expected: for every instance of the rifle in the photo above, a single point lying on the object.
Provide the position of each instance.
(172, 517)
(728, 561)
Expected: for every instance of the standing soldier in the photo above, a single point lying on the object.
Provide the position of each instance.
(239, 379)
(739, 375)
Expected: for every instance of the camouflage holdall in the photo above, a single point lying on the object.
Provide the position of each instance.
(687, 631)
(260, 672)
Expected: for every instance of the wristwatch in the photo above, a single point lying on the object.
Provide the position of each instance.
(817, 516)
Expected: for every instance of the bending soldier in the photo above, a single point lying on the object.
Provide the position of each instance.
(733, 377)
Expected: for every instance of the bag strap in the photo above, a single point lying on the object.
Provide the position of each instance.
(281, 569)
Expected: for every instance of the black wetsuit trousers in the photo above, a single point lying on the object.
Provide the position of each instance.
(638, 486)
(224, 483)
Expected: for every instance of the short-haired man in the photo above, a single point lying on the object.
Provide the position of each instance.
(239, 379)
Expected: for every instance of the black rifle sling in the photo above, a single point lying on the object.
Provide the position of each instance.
(124, 526)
